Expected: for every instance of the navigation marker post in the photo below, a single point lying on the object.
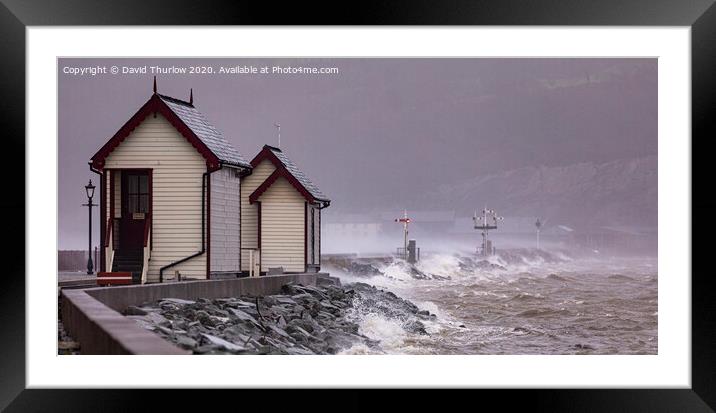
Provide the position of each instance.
(538, 224)
(485, 222)
(405, 221)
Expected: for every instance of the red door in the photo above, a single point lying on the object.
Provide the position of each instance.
(135, 209)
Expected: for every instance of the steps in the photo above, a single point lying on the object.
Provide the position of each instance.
(129, 260)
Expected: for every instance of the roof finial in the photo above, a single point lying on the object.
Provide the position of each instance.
(155, 84)
(278, 126)
(191, 96)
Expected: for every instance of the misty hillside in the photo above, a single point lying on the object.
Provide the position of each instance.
(622, 192)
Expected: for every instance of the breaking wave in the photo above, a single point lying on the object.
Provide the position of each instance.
(522, 301)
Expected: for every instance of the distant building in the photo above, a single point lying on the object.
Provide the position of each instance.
(353, 226)
(616, 239)
(424, 223)
(514, 231)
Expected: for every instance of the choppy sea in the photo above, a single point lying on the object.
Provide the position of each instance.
(518, 302)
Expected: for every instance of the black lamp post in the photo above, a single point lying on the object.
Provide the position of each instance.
(90, 193)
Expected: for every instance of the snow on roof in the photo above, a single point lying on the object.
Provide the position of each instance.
(205, 131)
(297, 173)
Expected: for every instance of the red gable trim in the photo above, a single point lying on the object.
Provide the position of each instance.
(280, 172)
(154, 105)
(266, 154)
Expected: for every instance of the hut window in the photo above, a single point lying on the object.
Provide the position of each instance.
(137, 193)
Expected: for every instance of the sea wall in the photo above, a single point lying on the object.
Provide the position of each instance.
(92, 316)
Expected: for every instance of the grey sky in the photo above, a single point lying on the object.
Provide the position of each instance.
(380, 129)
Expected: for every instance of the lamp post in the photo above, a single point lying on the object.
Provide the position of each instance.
(89, 188)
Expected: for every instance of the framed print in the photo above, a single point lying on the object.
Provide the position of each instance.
(477, 196)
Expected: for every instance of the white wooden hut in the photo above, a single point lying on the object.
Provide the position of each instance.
(169, 198)
(280, 217)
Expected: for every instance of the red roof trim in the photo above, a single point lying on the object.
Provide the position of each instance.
(266, 153)
(154, 105)
(264, 186)
(280, 171)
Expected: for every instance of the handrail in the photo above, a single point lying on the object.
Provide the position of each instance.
(254, 261)
(109, 247)
(109, 231)
(147, 226)
(147, 250)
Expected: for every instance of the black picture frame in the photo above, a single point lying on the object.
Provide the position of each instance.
(15, 15)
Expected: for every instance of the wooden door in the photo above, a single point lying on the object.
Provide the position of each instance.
(135, 209)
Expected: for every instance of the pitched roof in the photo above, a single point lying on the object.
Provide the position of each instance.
(281, 161)
(205, 131)
(189, 122)
(302, 178)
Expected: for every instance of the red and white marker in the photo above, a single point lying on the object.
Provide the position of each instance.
(405, 221)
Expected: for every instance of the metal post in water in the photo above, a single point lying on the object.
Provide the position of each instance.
(413, 256)
(405, 240)
(405, 220)
(538, 224)
(481, 223)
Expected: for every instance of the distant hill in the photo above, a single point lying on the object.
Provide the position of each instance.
(583, 195)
